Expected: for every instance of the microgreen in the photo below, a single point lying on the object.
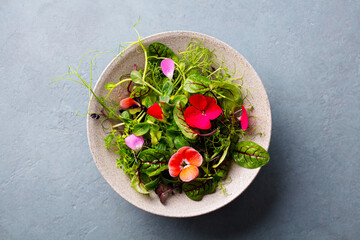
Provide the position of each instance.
(179, 127)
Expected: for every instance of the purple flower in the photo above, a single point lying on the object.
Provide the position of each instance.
(134, 142)
(168, 67)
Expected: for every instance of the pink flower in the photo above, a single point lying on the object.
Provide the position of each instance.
(168, 67)
(203, 110)
(185, 162)
(156, 111)
(134, 142)
(244, 119)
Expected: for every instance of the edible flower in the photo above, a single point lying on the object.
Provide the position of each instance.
(156, 111)
(203, 110)
(244, 119)
(168, 67)
(128, 102)
(185, 162)
(134, 142)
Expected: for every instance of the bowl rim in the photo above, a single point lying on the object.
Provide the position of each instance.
(232, 198)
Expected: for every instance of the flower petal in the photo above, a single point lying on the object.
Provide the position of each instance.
(210, 100)
(193, 157)
(244, 119)
(134, 142)
(212, 111)
(196, 119)
(189, 173)
(175, 164)
(168, 67)
(182, 150)
(198, 101)
(128, 102)
(156, 111)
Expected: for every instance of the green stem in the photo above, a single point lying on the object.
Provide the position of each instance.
(125, 80)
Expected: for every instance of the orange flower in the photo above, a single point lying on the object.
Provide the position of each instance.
(185, 162)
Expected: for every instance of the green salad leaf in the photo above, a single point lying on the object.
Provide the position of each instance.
(250, 155)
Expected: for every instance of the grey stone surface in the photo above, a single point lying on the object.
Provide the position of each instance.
(307, 54)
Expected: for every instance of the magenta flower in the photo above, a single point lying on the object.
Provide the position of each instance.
(134, 142)
(244, 119)
(168, 67)
(203, 110)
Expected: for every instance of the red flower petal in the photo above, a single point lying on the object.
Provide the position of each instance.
(156, 111)
(196, 119)
(189, 173)
(193, 157)
(212, 111)
(182, 150)
(244, 119)
(198, 101)
(175, 164)
(210, 100)
(128, 102)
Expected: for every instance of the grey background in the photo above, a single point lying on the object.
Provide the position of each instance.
(307, 54)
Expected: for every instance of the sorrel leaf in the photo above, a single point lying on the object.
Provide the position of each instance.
(139, 91)
(197, 83)
(138, 184)
(197, 189)
(153, 162)
(250, 155)
(160, 50)
(141, 129)
(180, 122)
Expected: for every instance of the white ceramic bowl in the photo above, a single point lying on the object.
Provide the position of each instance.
(178, 205)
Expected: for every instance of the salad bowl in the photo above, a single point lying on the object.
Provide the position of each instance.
(178, 205)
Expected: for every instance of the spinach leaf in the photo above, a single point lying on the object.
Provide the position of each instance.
(136, 77)
(155, 134)
(197, 189)
(153, 162)
(141, 129)
(167, 88)
(223, 168)
(182, 98)
(197, 83)
(180, 122)
(250, 155)
(180, 142)
(148, 100)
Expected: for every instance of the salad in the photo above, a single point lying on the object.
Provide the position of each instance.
(184, 121)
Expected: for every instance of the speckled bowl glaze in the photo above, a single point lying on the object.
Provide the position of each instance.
(178, 205)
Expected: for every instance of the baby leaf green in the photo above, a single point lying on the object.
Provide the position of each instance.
(250, 155)
(197, 83)
(136, 77)
(160, 50)
(153, 161)
(180, 122)
(141, 129)
(197, 189)
(138, 185)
